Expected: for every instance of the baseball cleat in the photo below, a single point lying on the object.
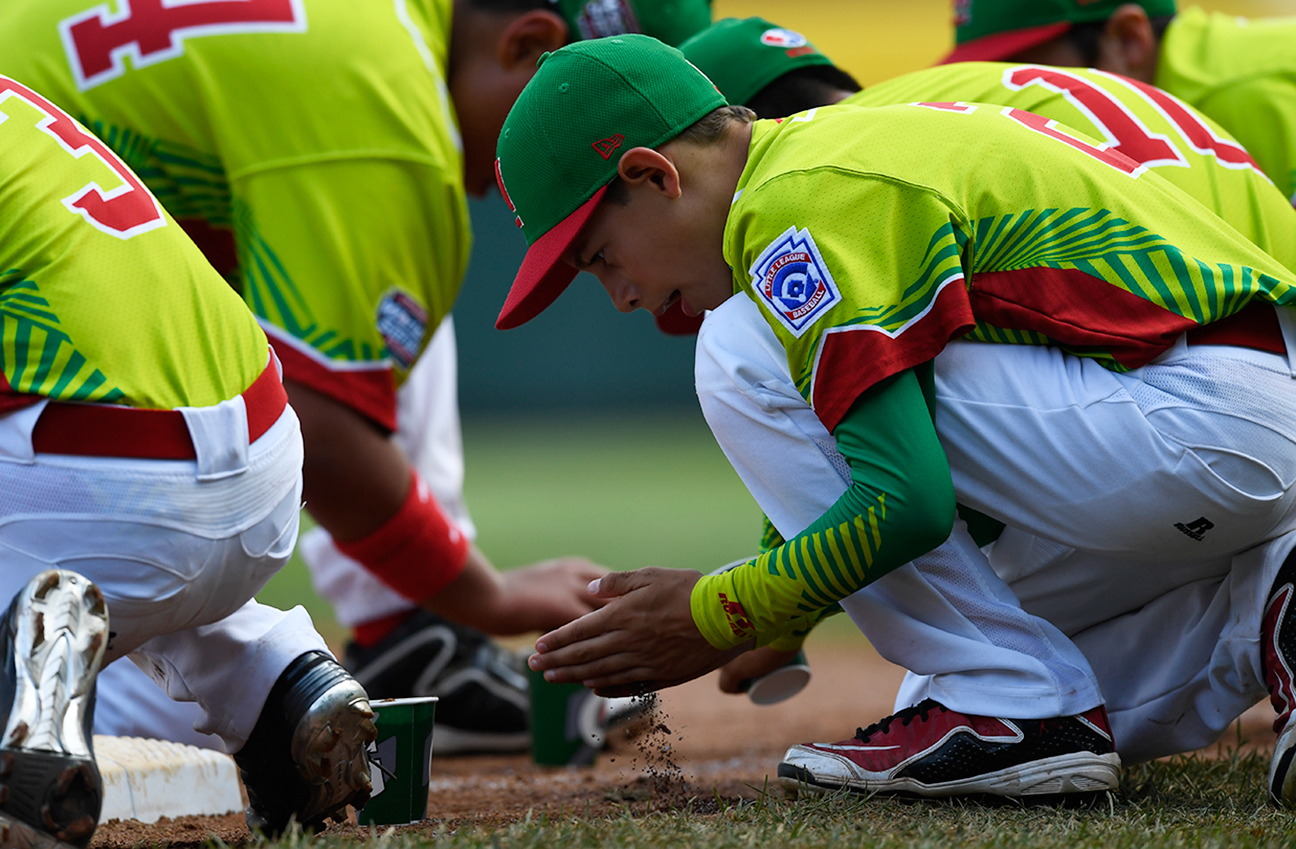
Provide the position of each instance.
(482, 686)
(929, 750)
(305, 760)
(53, 638)
(1278, 647)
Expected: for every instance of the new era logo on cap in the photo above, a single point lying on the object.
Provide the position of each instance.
(607, 146)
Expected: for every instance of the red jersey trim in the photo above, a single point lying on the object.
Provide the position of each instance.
(370, 392)
(852, 359)
(1077, 310)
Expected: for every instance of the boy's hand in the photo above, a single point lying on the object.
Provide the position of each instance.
(533, 598)
(642, 639)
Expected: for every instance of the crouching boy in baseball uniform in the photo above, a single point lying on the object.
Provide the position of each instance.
(150, 485)
(777, 72)
(984, 309)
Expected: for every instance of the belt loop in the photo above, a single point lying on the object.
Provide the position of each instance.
(1287, 323)
(220, 438)
(16, 433)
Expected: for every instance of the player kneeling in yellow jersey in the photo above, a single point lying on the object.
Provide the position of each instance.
(147, 444)
(320, 151)
(1240, 72)
(779, 72)
(983, 308)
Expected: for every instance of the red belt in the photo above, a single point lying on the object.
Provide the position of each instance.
(1256, 326)
(99, 430)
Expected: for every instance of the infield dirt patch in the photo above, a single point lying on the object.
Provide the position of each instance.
(708, 747)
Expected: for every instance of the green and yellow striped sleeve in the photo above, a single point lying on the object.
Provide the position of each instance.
(900, 505)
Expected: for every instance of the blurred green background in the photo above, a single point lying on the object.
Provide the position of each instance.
(581, 429)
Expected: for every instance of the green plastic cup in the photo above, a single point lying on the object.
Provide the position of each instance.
(565, 728)
(400, 761)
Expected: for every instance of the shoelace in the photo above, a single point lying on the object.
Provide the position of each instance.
(906, 716)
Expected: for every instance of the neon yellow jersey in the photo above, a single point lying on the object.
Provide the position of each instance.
(1242, 73)
(102, 297)
(872, 237)
(308, 146)
(1146, 124)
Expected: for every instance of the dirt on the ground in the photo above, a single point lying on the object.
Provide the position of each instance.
(702, 748)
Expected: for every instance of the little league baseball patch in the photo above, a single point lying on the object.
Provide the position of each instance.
(793, 282)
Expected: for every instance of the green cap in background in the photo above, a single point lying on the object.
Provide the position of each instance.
(587, 104)
(994, 30)
(671, 21)
(743, 56)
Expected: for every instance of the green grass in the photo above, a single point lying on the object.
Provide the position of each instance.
(624, 491)
(1187, 801)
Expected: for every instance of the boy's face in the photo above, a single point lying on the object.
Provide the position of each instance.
(653, 251)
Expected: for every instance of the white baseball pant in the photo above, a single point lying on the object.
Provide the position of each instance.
(428, 432)
(178, 548)
(1092, 471)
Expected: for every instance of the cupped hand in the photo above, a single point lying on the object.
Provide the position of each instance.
(642, 639)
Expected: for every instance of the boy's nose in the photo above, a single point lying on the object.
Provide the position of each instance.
(624, 295)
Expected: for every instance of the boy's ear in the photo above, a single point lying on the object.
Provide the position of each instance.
(1129, 44)
(645, 165)
(528, 37)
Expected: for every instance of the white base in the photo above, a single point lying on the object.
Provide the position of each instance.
(146, 780)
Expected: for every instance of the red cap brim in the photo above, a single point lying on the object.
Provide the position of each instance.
(543, 275)
(1004, 45)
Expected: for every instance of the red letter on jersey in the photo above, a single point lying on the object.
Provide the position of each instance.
(154, 31)
(1122, 129)
(125, 211)
(1102, 152)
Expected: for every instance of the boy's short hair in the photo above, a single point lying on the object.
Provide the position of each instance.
(995, 30)
(708, 129)
(801, 89)
(561, 144)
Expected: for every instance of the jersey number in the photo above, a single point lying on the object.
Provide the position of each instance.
(151, 31)
(124, 211)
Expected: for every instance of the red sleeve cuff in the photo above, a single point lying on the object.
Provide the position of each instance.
(417, 552)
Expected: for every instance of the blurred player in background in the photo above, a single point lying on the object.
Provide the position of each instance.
(146, 443)
(1240, 72)
(982, 307)
(779, 72)
(319, 151)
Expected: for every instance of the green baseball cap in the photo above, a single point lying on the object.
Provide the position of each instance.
(672, 21)
(559, 146)
(743, 56)
(994, 30)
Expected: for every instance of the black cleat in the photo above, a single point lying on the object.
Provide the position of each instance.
(53, 638)
(483, 690)
(305, 760)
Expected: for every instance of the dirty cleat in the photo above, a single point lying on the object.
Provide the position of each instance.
(305, 759)
(1278, 647)
(53, 638)
(929, 750)
(484, 695)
